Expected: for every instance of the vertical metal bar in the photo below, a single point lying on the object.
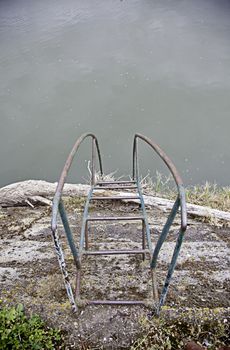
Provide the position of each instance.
(62, 265)
(147, 229)
(143, 239)
(69, 235)
(86, 236)
(134, 157)
(82, 239)
(183, 207)
(164, 233)
(136, 161)
(93, 163)
(171, 269)
(99, 157)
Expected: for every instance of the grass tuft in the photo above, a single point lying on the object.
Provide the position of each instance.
(210, 195)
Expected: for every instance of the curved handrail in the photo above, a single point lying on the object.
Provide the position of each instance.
(64, 174)
(172, 169)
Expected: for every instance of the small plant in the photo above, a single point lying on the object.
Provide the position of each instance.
(159, 185)
(19, 332)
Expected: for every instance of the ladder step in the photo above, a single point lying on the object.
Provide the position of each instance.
(116, 188)
(115, 252)
(115, 197)
(116, 302)
(115, 182)
(115, 218)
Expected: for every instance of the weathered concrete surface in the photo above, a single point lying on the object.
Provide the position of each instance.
(29, 271)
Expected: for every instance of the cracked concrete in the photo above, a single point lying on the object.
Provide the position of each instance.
(29, 271)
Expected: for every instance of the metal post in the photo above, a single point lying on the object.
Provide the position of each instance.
(164, 233)
(86, 236)
(147, 229)
(143, 239)
(62, 265)
(171, 269)
(93, 163)
(69, 235)
(137, 164)
(82, 239)
(135, 159)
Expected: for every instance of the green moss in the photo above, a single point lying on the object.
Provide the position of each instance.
(74, 203)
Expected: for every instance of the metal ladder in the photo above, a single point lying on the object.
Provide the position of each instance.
(94, 195)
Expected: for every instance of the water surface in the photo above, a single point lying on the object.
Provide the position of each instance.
(161, 68)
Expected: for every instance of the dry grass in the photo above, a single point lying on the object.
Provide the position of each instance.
(210, 195)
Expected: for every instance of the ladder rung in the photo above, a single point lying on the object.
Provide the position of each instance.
(115, 197)
(116, 188)
(115, 218)
(115, 252)
(115, 182)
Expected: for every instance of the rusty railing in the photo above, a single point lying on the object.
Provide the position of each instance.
(179, 203)
(83, 248)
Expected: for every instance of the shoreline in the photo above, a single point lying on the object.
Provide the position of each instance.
(205, 202)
